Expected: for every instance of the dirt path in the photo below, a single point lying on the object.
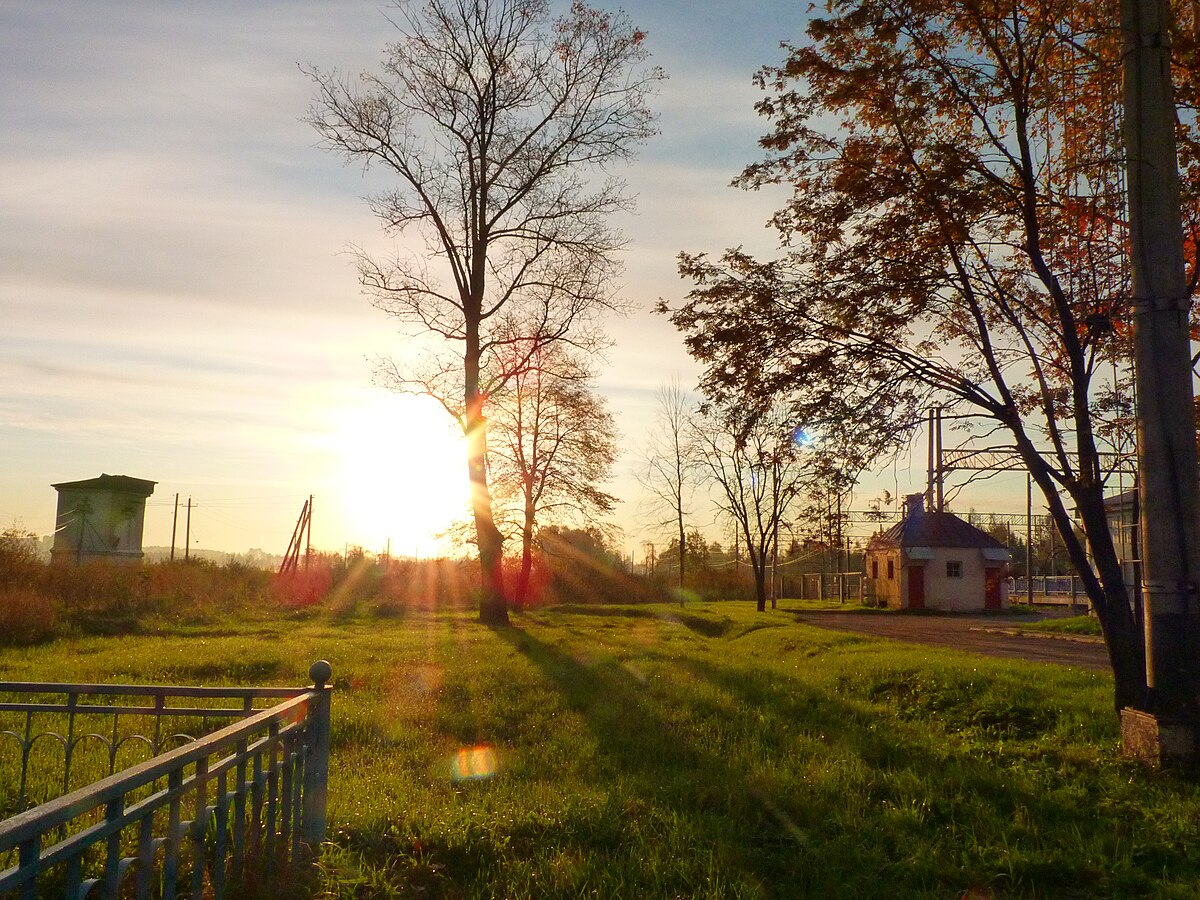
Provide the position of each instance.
(988, 635)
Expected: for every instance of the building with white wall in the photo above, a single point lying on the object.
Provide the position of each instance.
(100, 519)
(935, 560)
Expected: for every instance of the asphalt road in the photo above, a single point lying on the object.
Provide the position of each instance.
(987, 635)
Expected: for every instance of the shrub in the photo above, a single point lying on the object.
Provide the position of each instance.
(304, 586)
(28, 615)
(19, 562)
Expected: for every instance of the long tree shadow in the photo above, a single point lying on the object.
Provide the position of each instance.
(774, 839)
(924, 786)
(880, 812)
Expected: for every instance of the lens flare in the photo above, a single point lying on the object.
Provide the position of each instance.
(474, 763)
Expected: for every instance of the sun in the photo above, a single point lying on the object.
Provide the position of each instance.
(403, 476)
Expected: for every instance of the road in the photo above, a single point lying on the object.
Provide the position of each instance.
(987, 635)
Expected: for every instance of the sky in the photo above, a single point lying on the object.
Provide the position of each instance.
(177, 303)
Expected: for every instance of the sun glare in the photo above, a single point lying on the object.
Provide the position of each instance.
(404, 476)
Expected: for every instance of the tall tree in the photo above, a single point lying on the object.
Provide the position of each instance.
(958, 229)
(757, 470)
(554, 444)
(668, 473)
(494, 119)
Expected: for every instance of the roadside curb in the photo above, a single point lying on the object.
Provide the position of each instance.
(1044, 635)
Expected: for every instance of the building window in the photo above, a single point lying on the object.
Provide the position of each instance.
(874, 568)
(954, 568)
(891, 570)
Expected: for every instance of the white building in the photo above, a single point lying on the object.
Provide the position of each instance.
(935, 560)
(100, 518)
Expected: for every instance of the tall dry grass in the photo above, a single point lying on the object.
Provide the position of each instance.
(40, 601)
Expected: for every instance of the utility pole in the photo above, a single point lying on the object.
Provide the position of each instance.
(1029, 538)
(935, 494)
(82, 509)
(939, 495)
(308, 537)
(776, 589)
(930, 495)
(174, 525)
(1166, 730)
(187, 532)
(838, 538)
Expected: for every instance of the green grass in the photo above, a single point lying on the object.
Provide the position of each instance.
(659, 752)
(1085, 625)
(851, 603)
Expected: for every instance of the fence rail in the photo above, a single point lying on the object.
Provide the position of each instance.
(1060, 590)
(255, 790)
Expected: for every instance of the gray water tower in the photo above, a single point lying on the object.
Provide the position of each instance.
(100, 519)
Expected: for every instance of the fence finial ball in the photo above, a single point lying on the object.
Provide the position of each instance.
(320, 672)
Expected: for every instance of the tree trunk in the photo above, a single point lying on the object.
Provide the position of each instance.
(1110, 600)
(493, 605)
(1103, 580)
(758, 564)
(682, 553)
(521, 592)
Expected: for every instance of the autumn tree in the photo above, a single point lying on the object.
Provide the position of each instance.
(757, 470)
(956, 235)
(500, 127)
(668, 471)
(554, 444)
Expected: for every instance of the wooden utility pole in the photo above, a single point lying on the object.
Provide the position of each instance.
(187, 532)
(302, 533)
(174, 525)
(308, 535)
(1166, 729)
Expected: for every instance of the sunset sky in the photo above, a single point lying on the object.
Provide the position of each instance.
(175, 300)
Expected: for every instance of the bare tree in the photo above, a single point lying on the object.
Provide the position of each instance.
(493, 118)
(669, 474)
(757, 468)
(554, 443)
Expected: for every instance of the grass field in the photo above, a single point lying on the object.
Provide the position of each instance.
(660, 752)
(1083, 625)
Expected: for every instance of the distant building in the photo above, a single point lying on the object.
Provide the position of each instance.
(100, 518)
(1122, 513)
(935, 560)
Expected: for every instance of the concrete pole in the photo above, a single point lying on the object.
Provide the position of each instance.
(939, 473)
(1169, 489)
(1029, 538)
(930, 496)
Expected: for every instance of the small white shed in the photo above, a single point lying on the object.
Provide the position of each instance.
(100, 518)
(935, 560)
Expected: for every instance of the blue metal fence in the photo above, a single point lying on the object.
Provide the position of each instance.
(202, 819)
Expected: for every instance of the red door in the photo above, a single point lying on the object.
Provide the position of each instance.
(916, 587)
(991, 589)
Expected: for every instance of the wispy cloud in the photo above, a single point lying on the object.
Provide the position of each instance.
(174, 301)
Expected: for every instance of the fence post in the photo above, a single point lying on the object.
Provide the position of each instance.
(27, 859)
(316, 763)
